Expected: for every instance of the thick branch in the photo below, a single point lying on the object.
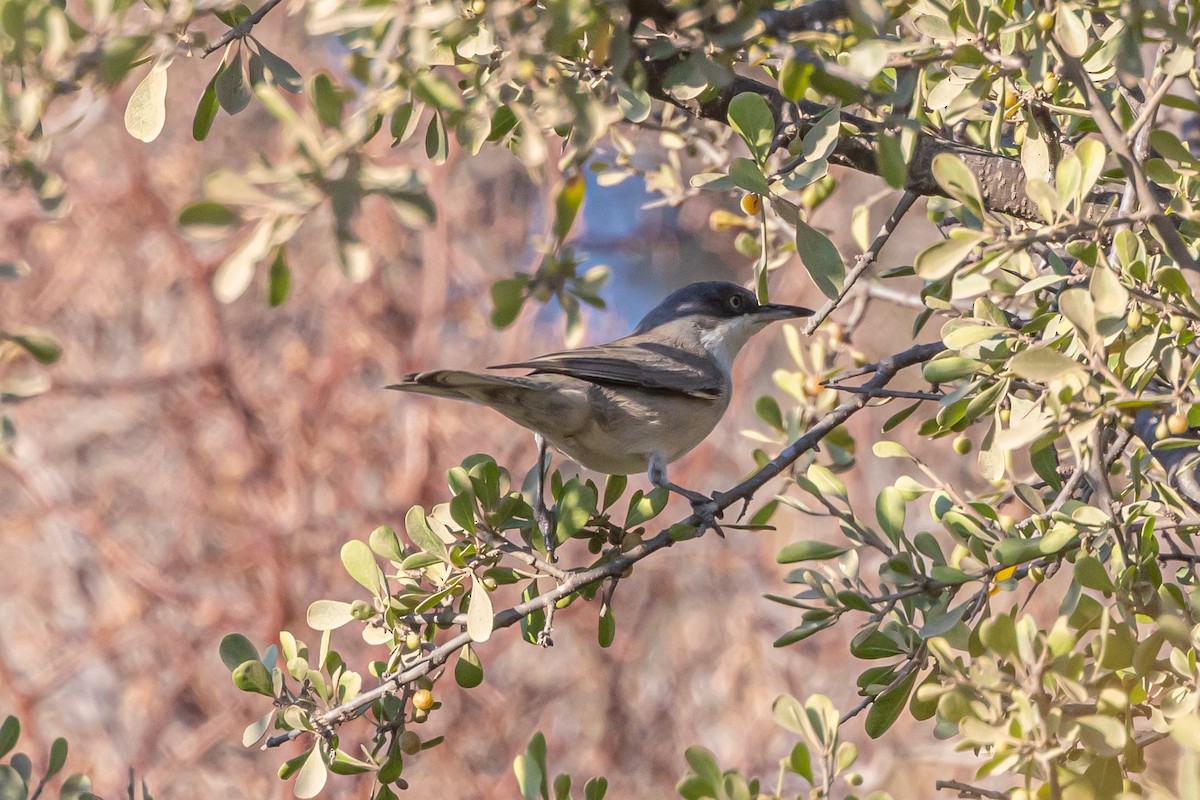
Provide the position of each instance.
(885, 370)
(807, 17)
(1001, 179)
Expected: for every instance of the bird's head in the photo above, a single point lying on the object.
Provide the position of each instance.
(722, 315)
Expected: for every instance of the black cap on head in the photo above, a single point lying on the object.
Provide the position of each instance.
(716, 300)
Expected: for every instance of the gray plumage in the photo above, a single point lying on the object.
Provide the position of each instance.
(634, 404)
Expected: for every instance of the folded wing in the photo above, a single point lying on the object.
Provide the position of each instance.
(633, 362)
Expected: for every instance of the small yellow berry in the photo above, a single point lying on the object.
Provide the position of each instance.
(751, 204)
(1178, 323)
(412, 641)
(1045, 21)
(422, 699)
(1134, 319)
(1160, 430)
(1050, 83)
(1005, 415)
(1177, 424)
(962, 445)
(812, 386)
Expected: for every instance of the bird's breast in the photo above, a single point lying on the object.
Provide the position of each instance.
(626, 425)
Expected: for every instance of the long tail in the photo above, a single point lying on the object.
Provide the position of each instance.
(460, 385)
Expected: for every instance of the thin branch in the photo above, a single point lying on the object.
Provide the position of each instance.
(1115, 137)
(885, 392)
(863, 261)
(242, 29)
(969, 791)
(528, 557)
(914, 661)
(885, 370)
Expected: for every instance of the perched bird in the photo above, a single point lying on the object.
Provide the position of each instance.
(632, 405)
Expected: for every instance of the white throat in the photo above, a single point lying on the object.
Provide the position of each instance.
(726, 340)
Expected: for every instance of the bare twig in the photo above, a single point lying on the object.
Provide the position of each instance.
(241, 30)
(863, 261)
(912, 664)
(969, 791)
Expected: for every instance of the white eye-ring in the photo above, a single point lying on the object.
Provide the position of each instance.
(735, 302)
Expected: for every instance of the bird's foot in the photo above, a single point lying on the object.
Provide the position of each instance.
(707, 511)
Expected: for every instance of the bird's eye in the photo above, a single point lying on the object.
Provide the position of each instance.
(736, 302)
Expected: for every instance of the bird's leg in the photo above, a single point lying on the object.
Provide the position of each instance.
(703, 506)
(543, 516)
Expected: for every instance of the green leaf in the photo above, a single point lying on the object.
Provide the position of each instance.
(800, 761)
(1070, 32)
(207, 220)
(889, 157)
(437, 144)
(13, 785)
(279, 277)
(890, 511)
(423, 536)
(614, 487)
(235, 650)
(747, 175)
(595, 789)
(567, 205)
(58, 757)
(233, 93)
(326, 99)
(750, 116)
(607, 630)
(808, 551)
(42, 348)
(359, 562)
(468, 672)
(1090, 574)
(10, 732)
(310, 780)
(952, 174)
(404, 122)
(788, 713)
(508, 296)
(1043, 364)
(887, 707)
(326, 615)
(942, 258)
(76, 787)
(233, 277)
(822, 137)
(820, 257)
(479, 614)
(794, 78)
(206, 109)
(146, 112)
(253, 676)
(950, 368)
(282, 73)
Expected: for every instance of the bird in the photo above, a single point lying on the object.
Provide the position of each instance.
(632, 405)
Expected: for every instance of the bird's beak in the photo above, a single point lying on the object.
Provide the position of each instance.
(770, 312)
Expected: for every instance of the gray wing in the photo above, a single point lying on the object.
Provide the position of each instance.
(629, 362)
